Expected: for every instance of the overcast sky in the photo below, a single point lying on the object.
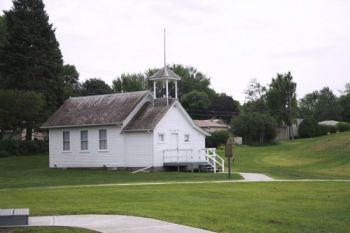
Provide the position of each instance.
(232, 42)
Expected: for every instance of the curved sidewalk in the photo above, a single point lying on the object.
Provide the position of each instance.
(113, 224)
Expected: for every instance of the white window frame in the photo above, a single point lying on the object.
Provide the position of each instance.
(161, 137)
(84, 141)
(66, 141)
(100, 140)
(187, 140)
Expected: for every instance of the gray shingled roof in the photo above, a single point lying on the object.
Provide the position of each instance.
(95, 110)
(147, 118)
(165, 72)
(210, 123)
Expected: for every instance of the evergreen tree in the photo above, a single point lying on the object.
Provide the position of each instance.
(32, 60)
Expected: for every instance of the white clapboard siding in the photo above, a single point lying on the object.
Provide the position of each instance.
(175, 122)
(93, 157)
(138, 149)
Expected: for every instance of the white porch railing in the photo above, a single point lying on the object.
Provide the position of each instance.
(214, 159)
(208, 156)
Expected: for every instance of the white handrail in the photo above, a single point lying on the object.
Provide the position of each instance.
(140, 170)
(213, 159)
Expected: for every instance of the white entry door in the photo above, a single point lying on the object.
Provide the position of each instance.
(174, 145)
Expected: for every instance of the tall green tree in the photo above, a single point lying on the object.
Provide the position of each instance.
(281, 99)
(327, 107)
(320, 105)
(72, 87)
(32, 60)
(3, 43)
(254, 127)
(130, 82)
(95, 86)
(3, 32)
(196, 104)
(224, 107)
(344, 102)
(308, 105)
(255, 98)
(20, 109)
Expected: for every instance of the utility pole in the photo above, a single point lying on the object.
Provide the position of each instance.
(291, 133)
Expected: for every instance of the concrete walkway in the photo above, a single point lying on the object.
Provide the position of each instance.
(255, 177)
(113, 224)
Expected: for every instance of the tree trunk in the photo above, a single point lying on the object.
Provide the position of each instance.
(29, 133)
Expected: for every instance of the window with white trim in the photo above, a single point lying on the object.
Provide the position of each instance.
(186, 137)
(66, 141)
(102, 135)
(84, 140)
(161, 137)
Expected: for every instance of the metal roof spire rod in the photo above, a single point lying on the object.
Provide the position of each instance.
(164, 47)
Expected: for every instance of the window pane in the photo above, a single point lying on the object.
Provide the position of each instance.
(161, 137)
(103, 145)
(84, 145)
(103, 134)
(84, 135)
(66, 141)
(65, 136)
(103, 139)
(66, 145)
(84, 140)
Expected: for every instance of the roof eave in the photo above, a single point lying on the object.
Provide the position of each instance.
(77, 126)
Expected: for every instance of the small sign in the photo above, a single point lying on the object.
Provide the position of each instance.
(228, 147)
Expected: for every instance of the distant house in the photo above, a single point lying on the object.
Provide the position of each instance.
(128, 130)
(211, 125)
(328, 123)
(283, 131)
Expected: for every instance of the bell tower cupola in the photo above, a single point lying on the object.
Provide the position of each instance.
(165, 77)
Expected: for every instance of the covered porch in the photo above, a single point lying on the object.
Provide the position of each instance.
(205, 160)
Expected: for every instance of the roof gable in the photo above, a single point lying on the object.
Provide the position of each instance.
(147, 118)
(95, 110)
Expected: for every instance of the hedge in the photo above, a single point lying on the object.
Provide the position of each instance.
(216, 139)
(309, 128)
(327, 129)
(343, 126)
(17, 147)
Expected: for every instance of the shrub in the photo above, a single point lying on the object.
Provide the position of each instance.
(217, 138)
(309, 128)
(326, 129)
(343, 126)
(16, 147)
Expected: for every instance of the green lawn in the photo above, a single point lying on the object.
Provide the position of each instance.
(33, 171)
(45, 230)
(223, 207)
(320, 157)
(229, 207)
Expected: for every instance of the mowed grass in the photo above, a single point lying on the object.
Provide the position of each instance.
(230, 207)
(221, 207)
(45, 230)
(319, 158)
(33, 171)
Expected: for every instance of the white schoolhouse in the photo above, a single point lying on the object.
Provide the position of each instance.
(134, 130)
